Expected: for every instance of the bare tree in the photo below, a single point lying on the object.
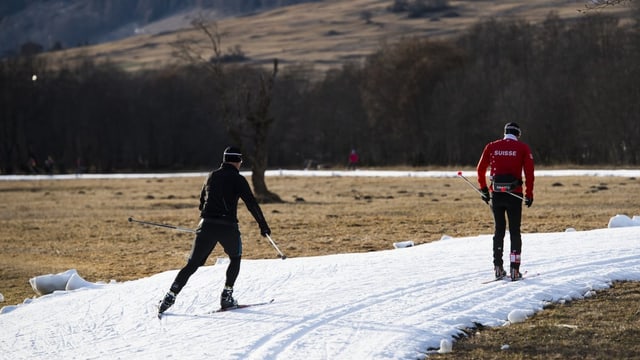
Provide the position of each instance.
(244, 103)
(252, 124)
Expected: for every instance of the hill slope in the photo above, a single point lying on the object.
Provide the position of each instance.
(324, 34)
(68, 23)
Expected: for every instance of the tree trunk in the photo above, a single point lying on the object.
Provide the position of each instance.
(261, 121)
(263, 195)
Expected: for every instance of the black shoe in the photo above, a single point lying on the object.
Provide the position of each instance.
(167, 302)
(515, 274)
(227, 300)
(499, 272)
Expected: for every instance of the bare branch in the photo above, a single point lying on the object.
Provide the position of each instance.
(210, 30)
(190, 51)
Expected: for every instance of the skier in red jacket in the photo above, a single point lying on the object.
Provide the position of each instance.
(353, 160)
(507, 158)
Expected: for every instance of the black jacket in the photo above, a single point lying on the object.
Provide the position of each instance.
(220, 194)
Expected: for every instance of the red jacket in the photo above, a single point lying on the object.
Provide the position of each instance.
(507, 156)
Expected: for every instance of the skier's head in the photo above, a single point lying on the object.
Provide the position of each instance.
(512, 128)
(232, 154)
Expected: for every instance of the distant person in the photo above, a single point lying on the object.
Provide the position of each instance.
(353, 160)
(507, 158)
(49, 165)
(219, 224)
(80, 168)
(32, 163)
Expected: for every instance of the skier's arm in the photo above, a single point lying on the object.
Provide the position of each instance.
(529, 176)
(483, 164)
(252, 205)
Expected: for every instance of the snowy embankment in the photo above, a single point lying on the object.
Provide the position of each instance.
(324, 173)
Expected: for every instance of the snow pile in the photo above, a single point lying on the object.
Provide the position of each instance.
(519, 315)
(445, 346)
(403, 244)
(64, 281)
(622, 220)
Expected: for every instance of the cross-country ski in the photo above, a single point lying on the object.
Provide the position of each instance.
(240, 306)
(219, 310)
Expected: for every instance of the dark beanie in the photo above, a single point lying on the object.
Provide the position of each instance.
(512, 128)
(232, 154)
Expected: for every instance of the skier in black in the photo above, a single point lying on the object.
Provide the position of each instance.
(219, 224)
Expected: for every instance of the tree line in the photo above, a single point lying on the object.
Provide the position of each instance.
(571, 85)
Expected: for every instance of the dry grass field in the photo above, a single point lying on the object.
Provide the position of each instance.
(322, 34)
(50, 226)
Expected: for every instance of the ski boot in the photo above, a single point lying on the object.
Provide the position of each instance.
(515, 274)
(499, 271)
(167, 302)
(226, 299)
(515, 266)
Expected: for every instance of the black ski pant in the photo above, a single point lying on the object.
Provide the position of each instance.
(504, 203)
(208, 234)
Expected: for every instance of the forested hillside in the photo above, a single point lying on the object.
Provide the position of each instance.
(572, 86)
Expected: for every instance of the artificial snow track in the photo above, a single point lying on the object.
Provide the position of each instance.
(391, 304)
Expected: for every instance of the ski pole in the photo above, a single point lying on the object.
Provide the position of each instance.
(280, 254)
(516, 195)
(473, 187)
(479, 192)
(162, 225)
(470, 184)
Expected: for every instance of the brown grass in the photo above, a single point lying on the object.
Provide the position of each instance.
(50, 226)
(606, 326)
(325, 34)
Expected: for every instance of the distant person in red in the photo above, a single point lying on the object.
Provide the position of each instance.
(353, 160)
(507, 159)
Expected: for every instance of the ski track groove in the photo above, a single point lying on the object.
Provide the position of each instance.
(277, 343)
(272, 346)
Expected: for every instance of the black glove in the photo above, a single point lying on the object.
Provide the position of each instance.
(485, 194)
(264, 230)
(528, 201)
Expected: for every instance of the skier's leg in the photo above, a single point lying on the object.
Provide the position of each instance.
(203, 245)
(500, 224)
(232, 271)
(231, 241)
(514, 214)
